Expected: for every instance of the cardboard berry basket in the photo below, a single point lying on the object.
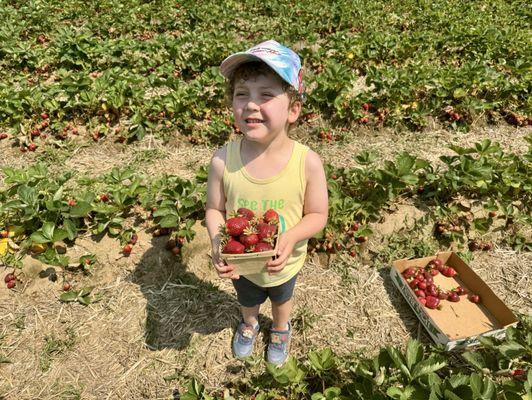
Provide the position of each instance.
(251, 263)
(456, 325)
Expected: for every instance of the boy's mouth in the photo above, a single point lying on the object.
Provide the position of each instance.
(253, 121)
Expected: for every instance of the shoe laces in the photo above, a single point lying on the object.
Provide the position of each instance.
(278, 341)
(247, 333)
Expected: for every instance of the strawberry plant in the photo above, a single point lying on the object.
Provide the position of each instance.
(497, 369)
(157, 70)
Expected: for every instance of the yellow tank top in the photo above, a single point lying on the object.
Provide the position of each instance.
(284, 192)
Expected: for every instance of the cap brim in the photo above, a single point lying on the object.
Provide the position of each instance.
(230, 63)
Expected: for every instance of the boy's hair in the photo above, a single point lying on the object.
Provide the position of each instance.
(253, 69)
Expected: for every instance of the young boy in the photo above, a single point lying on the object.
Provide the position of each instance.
(261, 170)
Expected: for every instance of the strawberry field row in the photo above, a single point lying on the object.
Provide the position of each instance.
(37, 210)
(129, 68)
(497, 370)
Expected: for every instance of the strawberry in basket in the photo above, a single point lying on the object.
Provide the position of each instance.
(246, 232)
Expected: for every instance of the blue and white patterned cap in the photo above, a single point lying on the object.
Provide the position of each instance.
(284, 61)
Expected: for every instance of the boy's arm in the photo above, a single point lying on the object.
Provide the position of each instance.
(215, 211)
(315, 212)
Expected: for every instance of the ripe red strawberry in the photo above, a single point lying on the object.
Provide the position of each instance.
(443, 295)
(71, 203)
(419, 293)
(353, 253)
(432, 302)
(11, 284)
(518, 372)
(474, 298)
(104, 197)
(246, 213)
(492, 214)
(437, 263)
(422, 285)
(249, 239)
(487, 246)
(170, 244)
(176, 251)
(365, 106)
(362, 239)
(271, 216)
(134, 239)
(3, 136)
(265, 230)
(66, 286)
(432, 290)
(262, 246)
(44, 116)
(355, 226)
(422, 300)
(409, 272)
(460, 290)
(449, 272)
(413, 284)
(9, 277)
(235, 226)
(434, 272)
(453, 296)
(233, 247)
(127, 249)
(32, 147)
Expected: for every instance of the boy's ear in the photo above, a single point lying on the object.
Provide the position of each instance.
(294, 111)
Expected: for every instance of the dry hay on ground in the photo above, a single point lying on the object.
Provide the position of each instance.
(158, 317)
(429, 145)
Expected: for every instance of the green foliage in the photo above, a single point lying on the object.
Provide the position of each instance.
(482, 173)
(152, 67)
(43, 209)
(415, 372)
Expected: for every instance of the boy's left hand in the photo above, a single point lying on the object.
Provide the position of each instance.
(286, 246)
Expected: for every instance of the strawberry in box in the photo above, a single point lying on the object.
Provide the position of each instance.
(249, 241)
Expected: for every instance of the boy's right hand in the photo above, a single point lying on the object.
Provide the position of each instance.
(224, 270)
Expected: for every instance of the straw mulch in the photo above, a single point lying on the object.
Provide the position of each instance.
(160, 317)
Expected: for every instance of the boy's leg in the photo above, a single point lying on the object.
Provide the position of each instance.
(250, 297)
(250, 315)
(280, 334)
(281, 314)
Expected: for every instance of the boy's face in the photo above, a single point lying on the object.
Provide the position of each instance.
(262, 109)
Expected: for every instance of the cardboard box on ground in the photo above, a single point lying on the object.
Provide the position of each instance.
(456, 325)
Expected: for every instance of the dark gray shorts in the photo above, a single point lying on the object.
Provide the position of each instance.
(250, 295)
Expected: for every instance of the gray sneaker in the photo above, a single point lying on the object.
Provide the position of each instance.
(244, 340)
(279, 345)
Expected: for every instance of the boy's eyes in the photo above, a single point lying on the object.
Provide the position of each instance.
(264, 94)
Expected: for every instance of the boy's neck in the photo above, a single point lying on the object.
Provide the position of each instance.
(274, 146)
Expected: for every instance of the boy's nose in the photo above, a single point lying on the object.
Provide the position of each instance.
(252, 105)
